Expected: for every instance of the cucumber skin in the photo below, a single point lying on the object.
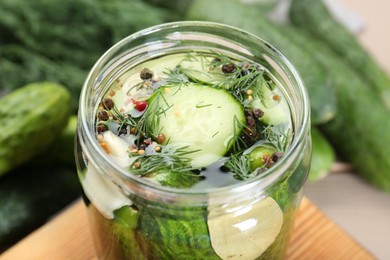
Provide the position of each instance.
(323, 156)
(359, 130)
(32, 117)
(314, 17)
(317, 80)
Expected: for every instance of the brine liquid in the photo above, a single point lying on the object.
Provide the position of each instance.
(129, 90)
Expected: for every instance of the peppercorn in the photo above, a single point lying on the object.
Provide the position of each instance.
(258, 113)
(276, 156)
(244, 72)
(161, 138)
(133, 130)
(101, 128)
(248, 112)
(107, 103)
(103, 115)
(228, 68)
(137, 165)
(146, 74)
(250, 121)
(276, 97)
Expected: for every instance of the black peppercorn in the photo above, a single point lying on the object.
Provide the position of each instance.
(228, 68)
(258, 113)
(276, 156)
(103, 115)
(146, 74)
(101, 128)
(107, 103)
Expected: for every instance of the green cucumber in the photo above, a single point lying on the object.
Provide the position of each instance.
(316, 77)
(275, 111)
(206, 119)
(30, 196)
(358, 132)
(61, 150)
(314, 17)
(31, 118)
(197, 69)
(323, 156)
(176, 236)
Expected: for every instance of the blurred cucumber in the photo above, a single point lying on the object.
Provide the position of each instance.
(31, 118)
(61, 150)
(359, 130)
(323, 156)
(314, 17)
(245, 16)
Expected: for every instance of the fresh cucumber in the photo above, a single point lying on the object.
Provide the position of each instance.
(316, 77)
(31, 118)
(259, 156)
(198, 69)
(323, 156)
(314, 17)
(169, 235)
(61, 150)
(206, 119)
(358, 130)
(30, 196)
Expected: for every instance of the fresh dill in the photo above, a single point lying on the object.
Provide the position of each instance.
(279, 139)
(201, 105)
(172, 158)
(240, 166)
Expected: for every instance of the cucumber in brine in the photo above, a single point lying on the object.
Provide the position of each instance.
(172, 119)
(206, 119)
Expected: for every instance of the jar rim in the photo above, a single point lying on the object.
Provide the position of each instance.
(118, 174)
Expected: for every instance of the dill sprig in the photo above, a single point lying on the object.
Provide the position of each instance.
(240, 166)
(238, 141)
(278, 138)
(172, 158)
(176, 76)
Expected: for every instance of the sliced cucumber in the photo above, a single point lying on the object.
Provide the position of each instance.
(198, 69)
(206, 119)
(275, 111)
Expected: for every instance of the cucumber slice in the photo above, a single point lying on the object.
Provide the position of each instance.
(198, 69)
(275, 111)
(206, 119)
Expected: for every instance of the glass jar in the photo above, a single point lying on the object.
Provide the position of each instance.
(133, 218)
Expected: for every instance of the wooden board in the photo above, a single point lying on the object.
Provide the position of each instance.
(68, 237)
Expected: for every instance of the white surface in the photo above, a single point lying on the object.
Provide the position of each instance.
(358, 208)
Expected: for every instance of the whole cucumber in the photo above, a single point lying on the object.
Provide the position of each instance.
(247, 17)
(323, 156)
(31, 118)
(359, 130)
(314, 17)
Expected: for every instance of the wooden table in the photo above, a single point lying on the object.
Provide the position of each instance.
(68, 237)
